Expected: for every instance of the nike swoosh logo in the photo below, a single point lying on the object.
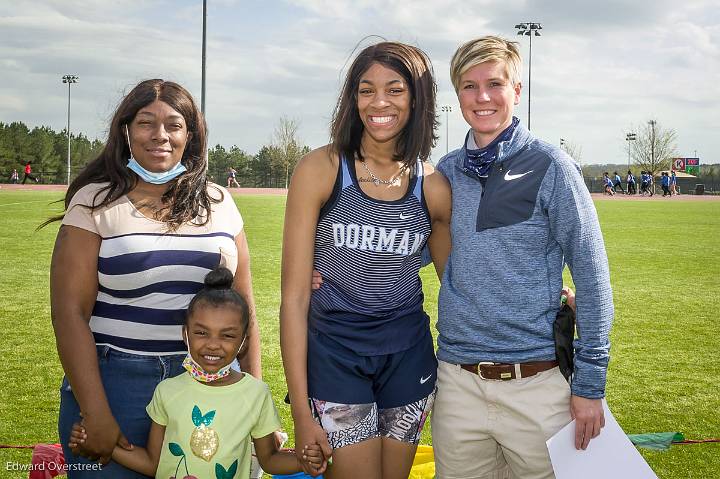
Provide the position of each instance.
(424, 380)
(404, 216)
(509, 177)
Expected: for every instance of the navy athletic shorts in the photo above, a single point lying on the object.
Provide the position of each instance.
(355, 398)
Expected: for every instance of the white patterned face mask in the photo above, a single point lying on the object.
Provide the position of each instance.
(198, 372)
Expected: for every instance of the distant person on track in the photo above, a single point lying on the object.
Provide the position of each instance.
(232, 178)
(28, 173)
(631, 183)
(617, 182)
(14, 177)
(673, 184)
(608, 184)
(645, 182)
(665, 183)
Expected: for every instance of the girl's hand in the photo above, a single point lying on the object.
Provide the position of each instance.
(313, 457)
(77, 439)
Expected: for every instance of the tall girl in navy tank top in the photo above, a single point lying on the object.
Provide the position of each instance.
(358, 353)
(376, 240)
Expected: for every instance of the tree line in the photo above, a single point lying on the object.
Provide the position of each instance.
(271, 167)
(46, 149)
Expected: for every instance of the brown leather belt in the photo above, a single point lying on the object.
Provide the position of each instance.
(505, 372)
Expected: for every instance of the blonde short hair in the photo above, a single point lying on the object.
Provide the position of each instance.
(486, 49)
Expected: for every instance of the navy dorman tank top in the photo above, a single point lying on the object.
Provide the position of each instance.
(368, 252)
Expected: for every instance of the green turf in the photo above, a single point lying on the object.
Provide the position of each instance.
(665, 263)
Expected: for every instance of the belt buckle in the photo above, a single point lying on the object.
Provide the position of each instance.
(479, 369)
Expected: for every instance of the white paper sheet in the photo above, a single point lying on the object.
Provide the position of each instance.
(610, 455)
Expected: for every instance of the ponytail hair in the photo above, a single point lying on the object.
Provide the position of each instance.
(218, 291)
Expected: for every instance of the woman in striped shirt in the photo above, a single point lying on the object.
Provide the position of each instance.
(142, 228)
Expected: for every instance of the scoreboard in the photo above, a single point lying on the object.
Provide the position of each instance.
(690, 166)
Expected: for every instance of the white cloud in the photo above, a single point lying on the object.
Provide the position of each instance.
(599, 67)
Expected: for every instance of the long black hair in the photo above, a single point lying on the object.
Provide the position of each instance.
(187, 196)
(418, 137)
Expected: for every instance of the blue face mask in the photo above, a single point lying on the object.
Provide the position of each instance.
(150, 176)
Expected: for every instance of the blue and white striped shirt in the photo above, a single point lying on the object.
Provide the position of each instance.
(147, 275)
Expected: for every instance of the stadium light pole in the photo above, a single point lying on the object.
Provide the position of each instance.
(529, 29)
(630, 137)
(203, 75)
(652, 124)
(447, 109)
(69, 79)
(204, 43)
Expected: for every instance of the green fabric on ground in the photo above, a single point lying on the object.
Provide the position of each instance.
(658, 441)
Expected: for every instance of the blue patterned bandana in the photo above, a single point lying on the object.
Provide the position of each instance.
(478, 162)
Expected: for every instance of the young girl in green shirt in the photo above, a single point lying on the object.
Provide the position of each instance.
(203, 421)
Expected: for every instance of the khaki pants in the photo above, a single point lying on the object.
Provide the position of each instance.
(490, 429)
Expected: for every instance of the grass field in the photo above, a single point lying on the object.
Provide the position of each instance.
(665, 263)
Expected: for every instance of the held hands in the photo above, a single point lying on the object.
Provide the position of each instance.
(589, 419)
(95, 437)
(77, 439)
(313, 460)
(316, 448)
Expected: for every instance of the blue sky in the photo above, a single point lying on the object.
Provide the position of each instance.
(599, 69)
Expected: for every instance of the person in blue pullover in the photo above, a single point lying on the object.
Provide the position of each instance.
(520, 213)
(617, 183)
(609, 190)
(646, 183)
(673, 183)
(631, 189)
(665, 183)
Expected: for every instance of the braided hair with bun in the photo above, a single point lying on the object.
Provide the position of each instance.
(217, 292)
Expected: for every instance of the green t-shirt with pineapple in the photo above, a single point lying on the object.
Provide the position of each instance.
(208, 429)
